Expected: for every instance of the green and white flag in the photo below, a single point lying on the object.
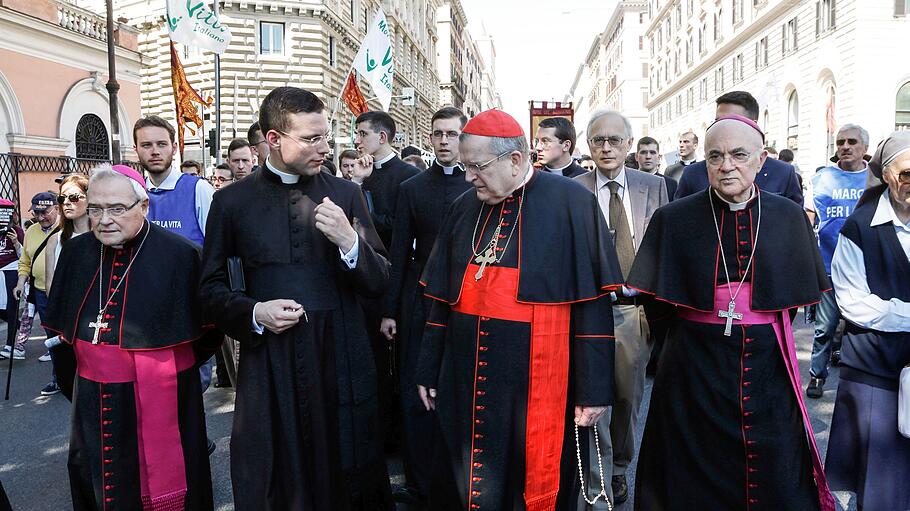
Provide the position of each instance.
(374, 60)
(193, 23)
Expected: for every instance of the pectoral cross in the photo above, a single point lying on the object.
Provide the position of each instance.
(730, 314)
(97, 325)
(488, 257)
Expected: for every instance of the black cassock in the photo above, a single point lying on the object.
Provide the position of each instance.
(724, 427)
(305, 423)
(481, 361)
(138, 429)
(422, 204)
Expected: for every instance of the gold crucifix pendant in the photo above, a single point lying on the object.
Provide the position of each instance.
(488, 257)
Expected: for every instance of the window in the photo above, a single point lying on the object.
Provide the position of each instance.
(761, 53)
(690, 7)
(91, 138)
(737, 11)
(703, 89)
(765, 121)
(902, 110)
(789, 37)
(824, 16)
(690, 98)
(271, 38)
(738, 68)
(901, 7)
(332, 51)
(679, 17)
(793, 122)
(353, 10)
(830, 121)
(718, 22)
(689, 57)
(641, 42)
(679, 104)
(702, 32)
(719, 80)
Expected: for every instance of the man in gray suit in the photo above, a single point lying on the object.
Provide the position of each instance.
(627, 199)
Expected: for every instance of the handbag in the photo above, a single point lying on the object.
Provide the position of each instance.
(903, 403)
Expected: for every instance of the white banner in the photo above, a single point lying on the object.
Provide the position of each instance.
(192, 22)
(374, 60)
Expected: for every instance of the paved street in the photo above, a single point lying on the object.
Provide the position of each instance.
(35, 429)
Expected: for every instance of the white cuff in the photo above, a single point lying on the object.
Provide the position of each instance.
(256, 327)
(350, 258)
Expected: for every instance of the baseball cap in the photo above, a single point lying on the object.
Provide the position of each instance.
(42, 201)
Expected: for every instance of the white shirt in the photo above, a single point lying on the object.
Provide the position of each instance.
(848, 272)
(603, 197)
(204, 194)
(350, 257)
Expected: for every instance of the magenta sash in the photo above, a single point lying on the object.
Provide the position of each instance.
(780, 321)
(162, 472)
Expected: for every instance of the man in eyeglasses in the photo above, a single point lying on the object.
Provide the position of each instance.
(125, 304)
(555, 144)
(627, 199)
(258, 144)
(178, 202)
(223, 176)
(373, 139)
(422, 205)
(833, 196)
(305, 427)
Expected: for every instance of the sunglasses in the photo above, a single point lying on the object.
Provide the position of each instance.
(73, 197)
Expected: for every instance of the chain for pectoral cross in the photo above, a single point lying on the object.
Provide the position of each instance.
(488, 255)
(98, 324)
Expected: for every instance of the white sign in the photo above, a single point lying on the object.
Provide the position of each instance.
(407, 96)
(374, 60)
(192, 23)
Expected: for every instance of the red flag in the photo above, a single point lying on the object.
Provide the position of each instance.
(184, 96)
(352, 96)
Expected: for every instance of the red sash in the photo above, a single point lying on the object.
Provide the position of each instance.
(780, 321)
(494, 296)
(162, 472)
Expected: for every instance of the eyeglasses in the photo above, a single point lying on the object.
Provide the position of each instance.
(96, 212)
(311, 141)
(478, 167)
(903, 177)
(438, 135)
(614, 141)
(219, 179)
(263, 141)
(849, 141)
(717, 158)
(73, 197)
(545, 142)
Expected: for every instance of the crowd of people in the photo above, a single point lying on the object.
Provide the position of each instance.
(490, 315)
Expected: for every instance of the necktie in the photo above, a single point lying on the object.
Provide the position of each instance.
(622, 235)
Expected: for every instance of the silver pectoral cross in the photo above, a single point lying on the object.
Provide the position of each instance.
(730, 315)
(97, 325)
(488, 257)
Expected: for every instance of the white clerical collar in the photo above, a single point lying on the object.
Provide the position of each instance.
(288, 179)
(687, 163)
(737, 206)
(528, 177)
(560, 169)
(169, 183)
(884, 213)
(379, 163)
(447, 170)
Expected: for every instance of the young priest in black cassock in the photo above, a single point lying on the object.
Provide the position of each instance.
(422, 205)
(138, 430)
(519, 339)
(305, 424)
(727, 427)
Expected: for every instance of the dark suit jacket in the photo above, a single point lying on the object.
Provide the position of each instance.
(775, 177)
(671, 185)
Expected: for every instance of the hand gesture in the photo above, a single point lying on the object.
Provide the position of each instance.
(586, 416)
(388, 328)
(427, 396)
(333, 223)
(363, 168)
(278, 315)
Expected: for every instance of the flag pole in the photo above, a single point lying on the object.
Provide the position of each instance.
(344, 83)
(217, 140)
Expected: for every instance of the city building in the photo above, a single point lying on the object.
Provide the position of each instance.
(614, 74)
(489, 96)
(54, 108)
(467, 65)
(812, 64)
(308, 44)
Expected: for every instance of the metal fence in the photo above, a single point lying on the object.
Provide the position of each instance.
(12, 164)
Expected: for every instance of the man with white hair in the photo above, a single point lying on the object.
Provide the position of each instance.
(833, 196)
(727, 426)
(628, 199)
(519, 279)
(125, 304)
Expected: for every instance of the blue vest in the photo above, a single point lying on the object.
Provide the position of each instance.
(175, 210)
(870, 356)
(836, 192)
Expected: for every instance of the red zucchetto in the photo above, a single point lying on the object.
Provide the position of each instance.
(493, 123)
